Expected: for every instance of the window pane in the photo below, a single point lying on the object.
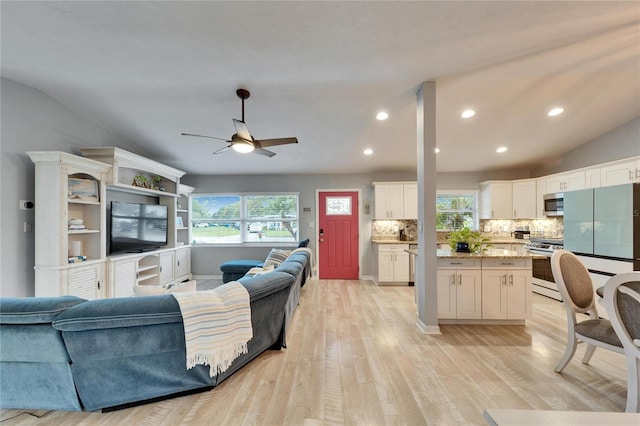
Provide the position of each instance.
(455, 211)
(215, 232)
(338, 206)
(274, 206)
(276, 231)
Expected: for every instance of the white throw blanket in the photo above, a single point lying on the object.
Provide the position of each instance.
(217, 325)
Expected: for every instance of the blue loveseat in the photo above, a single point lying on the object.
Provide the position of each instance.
(67, 353)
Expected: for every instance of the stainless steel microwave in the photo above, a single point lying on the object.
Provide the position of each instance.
(554, 204)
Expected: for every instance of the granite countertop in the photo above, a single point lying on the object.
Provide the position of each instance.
(490, 253)
(383, 241)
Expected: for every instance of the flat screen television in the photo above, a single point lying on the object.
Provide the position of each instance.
(137, 227)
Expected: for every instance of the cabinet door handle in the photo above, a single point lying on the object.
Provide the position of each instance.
(511, 280)
(456, 263)
(453, 279)
(503, 278)
(459, 279)
(637, 173)
(98, 285)
(631, 174)
(514, 213)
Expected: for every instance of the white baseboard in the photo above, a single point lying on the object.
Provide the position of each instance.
(427, 329)
(367, 278)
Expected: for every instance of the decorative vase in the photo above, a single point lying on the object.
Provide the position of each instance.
(462, 247)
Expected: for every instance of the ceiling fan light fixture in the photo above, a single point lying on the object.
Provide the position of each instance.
(367, 151)
(242, 147)
(555, 111)
(468, 113)
(382, 116)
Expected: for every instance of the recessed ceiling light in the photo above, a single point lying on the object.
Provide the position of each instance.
(468, 113)
(437, 150)
(501, 149)
(367, 151)
(555, 111)
(382, 115)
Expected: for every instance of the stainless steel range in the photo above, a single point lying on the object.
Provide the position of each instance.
(542, 280)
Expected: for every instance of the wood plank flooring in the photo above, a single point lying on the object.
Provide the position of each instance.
(356, 357)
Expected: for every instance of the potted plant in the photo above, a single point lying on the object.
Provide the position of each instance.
(467, 241)
(141, 181)
(156, 182)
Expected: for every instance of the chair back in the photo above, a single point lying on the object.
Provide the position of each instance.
(574, 282)
(622, 300)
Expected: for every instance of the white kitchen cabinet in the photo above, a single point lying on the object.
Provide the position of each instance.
(620, 172)
(389, 201)
(459, 284)
(592, 177)
(569, 181)
(524, 198)
(541, 190)
(392, 264)
(410, 210)
(496, 200)
(506, 289)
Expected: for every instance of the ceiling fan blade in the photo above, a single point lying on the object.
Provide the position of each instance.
(264, 152)
(221, 150)
(242, 131)
(203, 136)
(274, 142)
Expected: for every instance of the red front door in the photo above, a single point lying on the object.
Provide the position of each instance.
(338, 235)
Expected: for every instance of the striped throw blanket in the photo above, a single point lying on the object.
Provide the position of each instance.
(217, 325)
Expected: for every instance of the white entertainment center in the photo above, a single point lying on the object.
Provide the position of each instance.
(74, 260)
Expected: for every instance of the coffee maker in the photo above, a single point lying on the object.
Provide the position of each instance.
(520, 232)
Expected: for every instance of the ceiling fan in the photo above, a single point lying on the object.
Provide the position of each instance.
(242, 141)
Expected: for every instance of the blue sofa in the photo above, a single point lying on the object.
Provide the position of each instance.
(66, 353)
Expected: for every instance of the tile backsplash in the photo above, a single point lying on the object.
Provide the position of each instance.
(388, 229)
(549, 227)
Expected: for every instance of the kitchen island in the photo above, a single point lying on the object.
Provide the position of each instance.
(493, 287)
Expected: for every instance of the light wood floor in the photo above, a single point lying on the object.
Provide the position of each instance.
(355, 357)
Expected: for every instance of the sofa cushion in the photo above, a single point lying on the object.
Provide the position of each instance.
(120, 312)
(34, 310)
(239, 265)
(276, 257)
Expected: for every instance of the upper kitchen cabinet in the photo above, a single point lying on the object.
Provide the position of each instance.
(569, 181)
(388, 200)
(496, 200)
(524, 198)
(411, 201)
(620, 172)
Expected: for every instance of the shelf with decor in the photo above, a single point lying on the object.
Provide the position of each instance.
(183, 214)
(70, 224)
(132, 172)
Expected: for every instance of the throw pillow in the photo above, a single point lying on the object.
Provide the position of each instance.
(276, 257)
(304, 243)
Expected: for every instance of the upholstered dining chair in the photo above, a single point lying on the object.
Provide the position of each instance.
(578, 297)
(622, 301)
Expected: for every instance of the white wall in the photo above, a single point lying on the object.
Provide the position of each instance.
(31, 121)
(622, 142)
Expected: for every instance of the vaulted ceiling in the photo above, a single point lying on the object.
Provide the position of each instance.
(320, 71)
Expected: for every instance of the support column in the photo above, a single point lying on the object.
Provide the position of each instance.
(426, 288)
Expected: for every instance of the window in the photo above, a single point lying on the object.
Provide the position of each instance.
(455, 210)
(244, 218)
